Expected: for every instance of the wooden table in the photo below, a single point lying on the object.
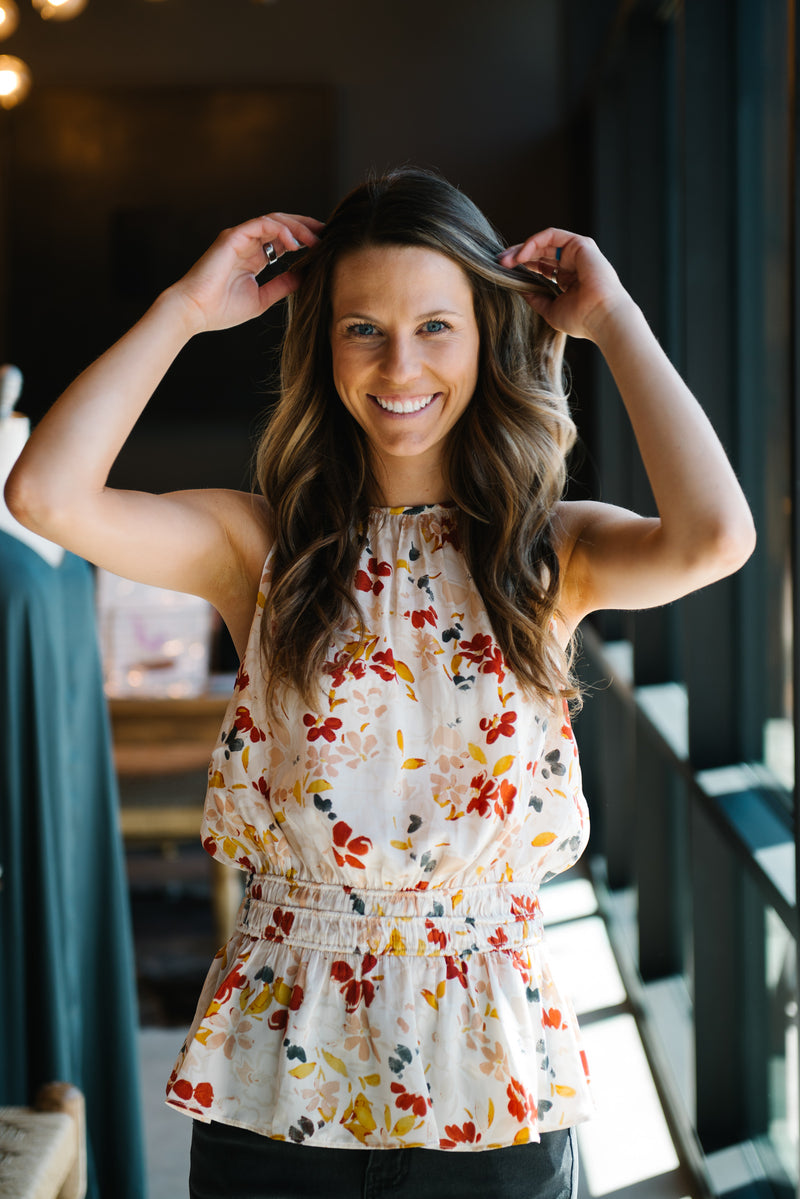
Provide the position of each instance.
(160, 739)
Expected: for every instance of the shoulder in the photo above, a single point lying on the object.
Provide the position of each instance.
(576, 526)
(244, 520)
(245, 525)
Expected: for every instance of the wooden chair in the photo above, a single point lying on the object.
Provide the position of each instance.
(43, 1148)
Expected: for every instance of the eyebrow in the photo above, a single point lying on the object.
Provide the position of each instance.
(424, 316)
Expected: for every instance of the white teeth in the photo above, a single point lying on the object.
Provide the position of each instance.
(404, 405)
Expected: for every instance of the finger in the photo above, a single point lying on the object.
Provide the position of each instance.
(542, 303)
(552, 243)
(277, 288)
(290, 230)
(282, 234)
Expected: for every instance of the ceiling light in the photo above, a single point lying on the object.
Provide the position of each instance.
(59, 10)
(15, 81)
(9, 18)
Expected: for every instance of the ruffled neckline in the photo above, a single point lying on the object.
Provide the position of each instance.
(413, 509)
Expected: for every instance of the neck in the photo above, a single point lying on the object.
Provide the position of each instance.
(406, 482)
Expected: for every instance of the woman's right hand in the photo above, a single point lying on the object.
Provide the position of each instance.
(221, 290)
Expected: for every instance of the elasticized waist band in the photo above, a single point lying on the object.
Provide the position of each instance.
(486, 918)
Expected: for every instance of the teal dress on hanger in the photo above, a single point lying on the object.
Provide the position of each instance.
(67, 980)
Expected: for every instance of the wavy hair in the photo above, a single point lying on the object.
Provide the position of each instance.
(504, 463)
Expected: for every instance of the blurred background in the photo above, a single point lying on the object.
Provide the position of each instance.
(131, 132)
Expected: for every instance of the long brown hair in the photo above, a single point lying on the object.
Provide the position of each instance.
(505, 460)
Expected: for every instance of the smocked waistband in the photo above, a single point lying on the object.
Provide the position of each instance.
(487, 918)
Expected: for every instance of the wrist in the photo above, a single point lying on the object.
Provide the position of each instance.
(608, 325)
(180, 310)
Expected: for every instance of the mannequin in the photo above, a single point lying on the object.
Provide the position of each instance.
(64, 907)
(14, 431)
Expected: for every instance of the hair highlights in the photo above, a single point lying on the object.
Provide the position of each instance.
(505, 460)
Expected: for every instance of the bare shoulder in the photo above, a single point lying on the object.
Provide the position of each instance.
(242, 539)
(243, 535)
(245, 520)
(570, 520)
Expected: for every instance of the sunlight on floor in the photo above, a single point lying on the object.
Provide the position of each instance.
(628, 1141)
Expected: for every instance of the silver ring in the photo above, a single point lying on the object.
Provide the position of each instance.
(269, 250)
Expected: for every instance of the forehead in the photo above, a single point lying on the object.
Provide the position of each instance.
(411, 279)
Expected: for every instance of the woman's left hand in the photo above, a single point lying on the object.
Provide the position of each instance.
(590, 288)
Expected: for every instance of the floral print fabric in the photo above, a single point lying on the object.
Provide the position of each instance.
(387, 984)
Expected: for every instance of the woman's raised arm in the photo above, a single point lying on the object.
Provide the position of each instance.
(191, 541)
(612, 558)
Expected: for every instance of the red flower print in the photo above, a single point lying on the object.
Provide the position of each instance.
(524, 906)
(380, 571)
(551, 1017)
(203, 1093)
(289, 1003)
(486, 656)
(342, 666)
(282, 926)
(353, 848)
(383, 664)
(232, 982)
(457, 968)
(355, 990)
(244, 723)
(499, 939)
(317, 727)
(485, 788)
(467, 1134)
(407, 1100)
(242, 679)
(520, 1103)
(521, 965)
(261, 785)
(435, 935)
(423, 615)
(504, 803)
(498, 726)
(491, 795)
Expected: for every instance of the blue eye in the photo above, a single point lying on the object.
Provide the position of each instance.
(361, 329)
(435, 326)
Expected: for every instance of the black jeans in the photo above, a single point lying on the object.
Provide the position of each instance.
(234, 1163)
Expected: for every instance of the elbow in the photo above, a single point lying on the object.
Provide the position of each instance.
(726, 547)
(26, 504)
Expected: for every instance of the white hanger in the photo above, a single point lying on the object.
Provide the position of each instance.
(14, 432)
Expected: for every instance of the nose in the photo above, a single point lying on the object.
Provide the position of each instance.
(401, 360)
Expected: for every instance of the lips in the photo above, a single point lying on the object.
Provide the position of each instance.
(404, 405)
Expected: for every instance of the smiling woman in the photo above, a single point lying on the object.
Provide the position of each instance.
(405, 349)
(396, 771)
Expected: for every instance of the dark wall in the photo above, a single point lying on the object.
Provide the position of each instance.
(469, 86)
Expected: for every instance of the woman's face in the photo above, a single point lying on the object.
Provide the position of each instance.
(405, 348)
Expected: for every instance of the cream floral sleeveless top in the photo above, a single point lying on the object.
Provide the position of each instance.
(387, 984)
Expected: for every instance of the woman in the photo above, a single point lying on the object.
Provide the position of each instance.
(396, 771)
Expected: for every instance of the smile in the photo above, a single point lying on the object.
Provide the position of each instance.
(413, 404)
